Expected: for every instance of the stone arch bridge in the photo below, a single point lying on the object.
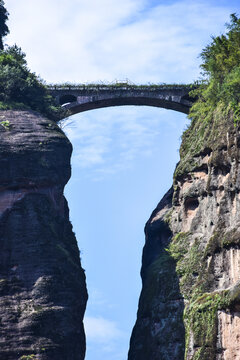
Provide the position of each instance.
(79, 98)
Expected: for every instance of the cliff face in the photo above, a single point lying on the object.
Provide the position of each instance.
(190, 302)
(42, 285)
(189, 307)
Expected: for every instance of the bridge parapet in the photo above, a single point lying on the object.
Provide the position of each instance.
(118, 86)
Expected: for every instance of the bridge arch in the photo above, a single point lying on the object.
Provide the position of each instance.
(85, 97)
(76, 107)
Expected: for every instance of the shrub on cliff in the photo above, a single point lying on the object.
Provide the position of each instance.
(19, 87)
(221, 68)
(22, 89)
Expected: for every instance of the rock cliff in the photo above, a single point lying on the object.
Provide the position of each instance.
(189, 307)
(42, 285)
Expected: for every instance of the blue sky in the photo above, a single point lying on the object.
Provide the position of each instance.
(123, 157)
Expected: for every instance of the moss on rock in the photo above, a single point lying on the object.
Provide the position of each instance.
(205, 137)
(221, 239)
(202, 323)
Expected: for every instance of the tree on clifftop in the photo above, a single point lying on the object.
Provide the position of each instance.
(22, 89)
(19, 87)
(3, 27)
(221, 67)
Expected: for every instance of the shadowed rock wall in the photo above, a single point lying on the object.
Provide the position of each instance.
(42, 285)
(159, 330)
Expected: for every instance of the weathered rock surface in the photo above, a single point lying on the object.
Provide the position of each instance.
(42, 285)
(191, 260)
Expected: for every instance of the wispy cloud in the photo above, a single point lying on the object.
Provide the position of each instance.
(97, 300)
(95, 40)
(99, 329)
(106, 142)
(104, 335)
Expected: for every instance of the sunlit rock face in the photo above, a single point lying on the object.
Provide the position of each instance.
(42, 285)
(190, 302)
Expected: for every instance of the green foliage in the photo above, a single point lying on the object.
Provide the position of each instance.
(118, 86)
(3, 27)
(201, 321)
(178, 247)
(189, 265)
(223, 54)
(22, 89)
(6, 124)
(221, 67)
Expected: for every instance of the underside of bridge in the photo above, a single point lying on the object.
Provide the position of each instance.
(75, 107)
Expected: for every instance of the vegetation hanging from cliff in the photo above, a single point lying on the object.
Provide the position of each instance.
(221, 68)
(19, 87)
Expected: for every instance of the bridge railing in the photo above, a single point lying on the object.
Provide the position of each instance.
(119, 86)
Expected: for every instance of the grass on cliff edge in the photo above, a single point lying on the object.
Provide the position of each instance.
(20, 89)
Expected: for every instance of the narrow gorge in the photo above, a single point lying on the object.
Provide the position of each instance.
(190, 301)
(189, 306)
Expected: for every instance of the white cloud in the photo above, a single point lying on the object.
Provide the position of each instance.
(108, 141)
(96, 40)
(96, 298)
(105, 336)
(99, 329)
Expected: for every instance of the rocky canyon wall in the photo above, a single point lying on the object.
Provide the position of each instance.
(42, 285)
(189, 307)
